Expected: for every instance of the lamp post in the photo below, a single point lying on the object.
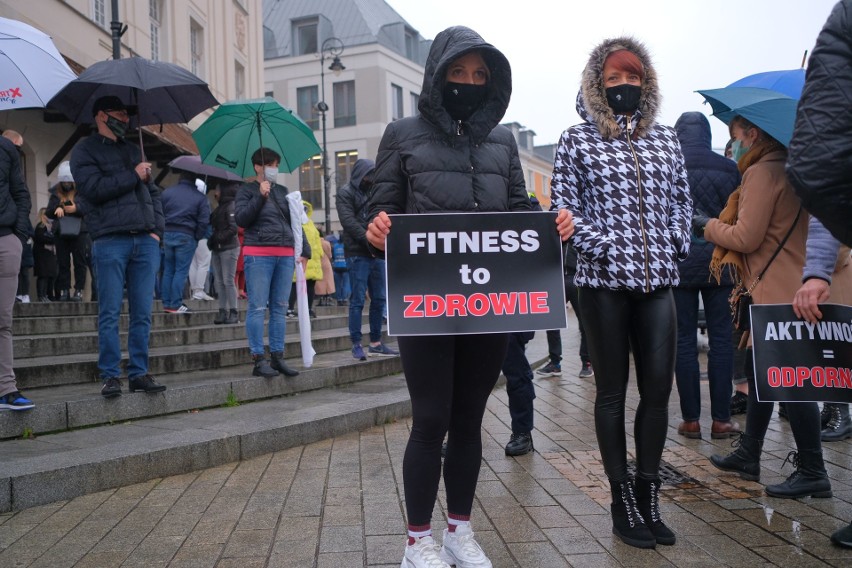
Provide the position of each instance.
(331, 47)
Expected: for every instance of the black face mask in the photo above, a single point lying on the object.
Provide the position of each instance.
(624, 99)
(117, 127)
(462, 99)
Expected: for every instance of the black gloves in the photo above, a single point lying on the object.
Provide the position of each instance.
(699, 221)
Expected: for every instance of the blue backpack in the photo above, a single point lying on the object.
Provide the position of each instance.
(338, 257)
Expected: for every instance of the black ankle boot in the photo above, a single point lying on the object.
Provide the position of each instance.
(627, 521)
(809, 480)
(745, 460)
(233, 317)
(262, 368)
(279, 365)
(221, 317)
(648, 502)
(839, 424)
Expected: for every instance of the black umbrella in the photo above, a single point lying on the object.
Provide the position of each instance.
(192, 164)
(163, 92)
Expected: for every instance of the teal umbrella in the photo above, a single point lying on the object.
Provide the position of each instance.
(235, 130)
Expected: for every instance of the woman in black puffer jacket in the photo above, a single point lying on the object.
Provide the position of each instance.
(453, 157)
(225, 246)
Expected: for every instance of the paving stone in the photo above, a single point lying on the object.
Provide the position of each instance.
(341, 539)
(247, 544)
(197, 556)
(541, 554)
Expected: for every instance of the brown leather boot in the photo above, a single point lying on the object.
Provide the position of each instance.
(721, 429)
(690, 429)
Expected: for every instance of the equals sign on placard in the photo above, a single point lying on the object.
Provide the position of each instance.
(828, 353)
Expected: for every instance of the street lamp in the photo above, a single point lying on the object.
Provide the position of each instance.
(331, 47)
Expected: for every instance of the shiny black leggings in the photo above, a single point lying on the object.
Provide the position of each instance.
(449, 379)
(615, 322)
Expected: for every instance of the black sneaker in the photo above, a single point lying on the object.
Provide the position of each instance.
(111, 388)
(145, 383)
(739, 403)
(519, 444)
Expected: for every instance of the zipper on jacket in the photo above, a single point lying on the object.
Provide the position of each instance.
(458, 128)
(641, 206)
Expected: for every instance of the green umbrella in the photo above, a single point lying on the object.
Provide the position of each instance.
(236, 129)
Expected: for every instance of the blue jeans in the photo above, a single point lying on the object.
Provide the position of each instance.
(179, 249)
(268, 281)
(366, 274)
(132, 260)
(342, 289)
(720, 358)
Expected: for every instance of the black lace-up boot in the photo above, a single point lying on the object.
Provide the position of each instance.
(809, 480)
(745, 460)
(648, 501)
(838, 427)
(627, 521)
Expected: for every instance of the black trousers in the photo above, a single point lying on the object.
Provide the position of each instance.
(449, 379)
(617, 321)
(519, 382)
(78, 248)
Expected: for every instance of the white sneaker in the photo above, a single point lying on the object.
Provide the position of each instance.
(461, 549)
(201, 295)
(424, 553)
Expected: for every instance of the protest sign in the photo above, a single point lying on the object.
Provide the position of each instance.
(798, 361)
(460, 273)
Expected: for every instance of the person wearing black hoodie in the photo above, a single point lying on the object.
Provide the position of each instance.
(453, 157)
(712, 179)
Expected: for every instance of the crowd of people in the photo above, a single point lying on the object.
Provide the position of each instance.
(651, 221)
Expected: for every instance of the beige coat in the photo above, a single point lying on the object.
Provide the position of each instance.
(325, 286)
(766, 212)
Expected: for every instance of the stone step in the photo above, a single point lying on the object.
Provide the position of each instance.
(74, 406)
(68, 464)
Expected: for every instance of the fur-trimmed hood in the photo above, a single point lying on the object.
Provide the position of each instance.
(592, 105)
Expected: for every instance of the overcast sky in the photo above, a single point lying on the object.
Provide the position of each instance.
(695, 44)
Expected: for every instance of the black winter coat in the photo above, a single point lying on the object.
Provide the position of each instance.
(15, 199)
(44, 252)
(266, 224)
(53, 203)
(819, 163)
(352, 210)
(712, 178)
(224, 223)
(431, 163)
(110, 195)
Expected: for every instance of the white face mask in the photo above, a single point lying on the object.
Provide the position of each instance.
(270, 174)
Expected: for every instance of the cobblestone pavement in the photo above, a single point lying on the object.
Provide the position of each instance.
(338, 503)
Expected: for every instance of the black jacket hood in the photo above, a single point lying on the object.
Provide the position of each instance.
(592, 104)
(361, 168)
(693, 129)
(448, 46)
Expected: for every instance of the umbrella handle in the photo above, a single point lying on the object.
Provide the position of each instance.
(260, 138)
(135, 98)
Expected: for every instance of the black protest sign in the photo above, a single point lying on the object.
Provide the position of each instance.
(461, 273)
(802, 362)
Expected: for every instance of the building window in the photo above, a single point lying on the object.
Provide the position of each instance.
(99, 12)
(305, 35)
(154, 12)
(270, 94)
(196, 48)
(306, 105)
(239, 80)
(396, 102)
(310, 181)
(344, 104)
(410, 45)
(415, 104)
(345, 161)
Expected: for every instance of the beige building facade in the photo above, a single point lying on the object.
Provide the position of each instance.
(219, 40)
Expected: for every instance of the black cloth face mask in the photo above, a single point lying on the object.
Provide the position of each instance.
(117, 127)
(624, 99)
(462, 99)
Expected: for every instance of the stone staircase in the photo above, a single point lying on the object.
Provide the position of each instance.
(214, 411)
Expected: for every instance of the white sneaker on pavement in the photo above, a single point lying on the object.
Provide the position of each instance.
(424, 553)
(461, 549)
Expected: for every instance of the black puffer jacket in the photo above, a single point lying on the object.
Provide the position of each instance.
(224, 224)
(712, 178)
(431, 163)
(266, 224)
(819, 162)
(110, 195)
(15, 199)
(353, 208)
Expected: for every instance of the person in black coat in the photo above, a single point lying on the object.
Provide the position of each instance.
(452, 157)
(225, 247)
(712, 178)
(44, 253)
(62, 203)
(821, 149)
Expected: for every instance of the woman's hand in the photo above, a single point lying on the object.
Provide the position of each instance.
(71, 209)
(378, 229)
(806, 302)
(265, 188)
(304, 262)
(60, 212)
(564, 224)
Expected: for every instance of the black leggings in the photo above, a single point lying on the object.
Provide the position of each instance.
(616, 321)
(803, 416)
(449, 380)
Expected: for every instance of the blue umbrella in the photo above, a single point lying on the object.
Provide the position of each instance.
(773, 110)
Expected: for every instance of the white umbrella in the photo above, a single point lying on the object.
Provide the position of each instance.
(30, 65)
(297, 219)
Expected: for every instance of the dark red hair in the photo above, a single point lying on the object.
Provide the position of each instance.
(627, 61)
